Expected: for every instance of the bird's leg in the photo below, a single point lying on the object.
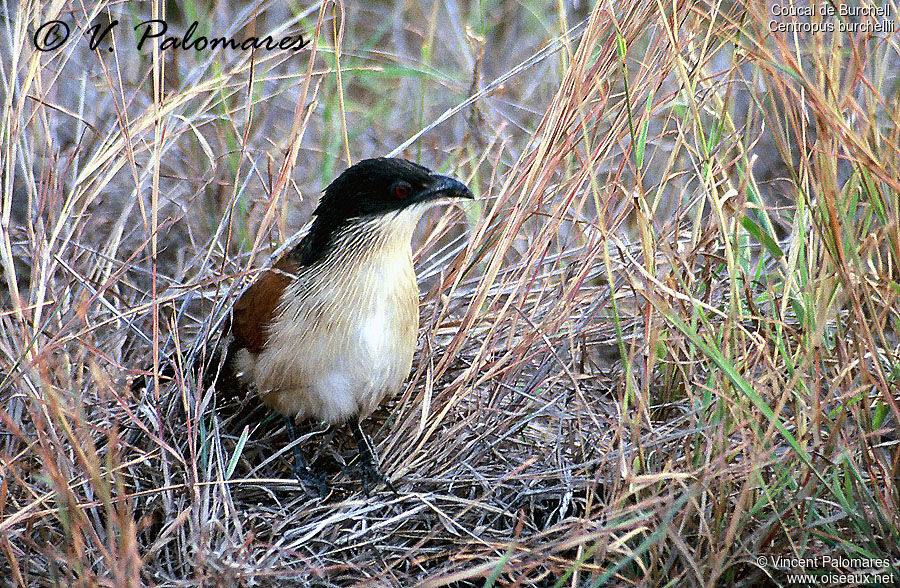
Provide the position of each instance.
(368, 460)
(313, 484)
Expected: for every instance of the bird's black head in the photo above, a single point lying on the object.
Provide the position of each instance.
(371, 188)
(383, 185)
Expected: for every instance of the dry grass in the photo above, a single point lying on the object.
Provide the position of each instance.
(662, 343)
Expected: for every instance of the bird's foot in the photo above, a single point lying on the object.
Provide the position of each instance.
(367, 469)
(369, 476)
(313, 484)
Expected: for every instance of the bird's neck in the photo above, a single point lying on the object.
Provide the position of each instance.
(387, 234)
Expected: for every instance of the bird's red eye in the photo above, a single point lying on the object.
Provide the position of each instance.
(401, 190)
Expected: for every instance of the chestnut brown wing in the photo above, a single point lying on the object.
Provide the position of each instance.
(255, 309)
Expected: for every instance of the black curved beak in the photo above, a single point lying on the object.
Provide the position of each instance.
(444, 186)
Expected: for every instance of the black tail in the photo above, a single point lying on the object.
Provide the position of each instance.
(212, 368)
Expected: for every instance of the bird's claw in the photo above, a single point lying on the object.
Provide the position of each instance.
(369, 477)
(313, 484)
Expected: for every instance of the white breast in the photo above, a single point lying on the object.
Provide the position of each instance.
(337, 348)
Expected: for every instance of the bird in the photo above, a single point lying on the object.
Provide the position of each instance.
(330, 329)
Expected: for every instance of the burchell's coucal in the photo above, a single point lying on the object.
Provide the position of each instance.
(331, 328)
